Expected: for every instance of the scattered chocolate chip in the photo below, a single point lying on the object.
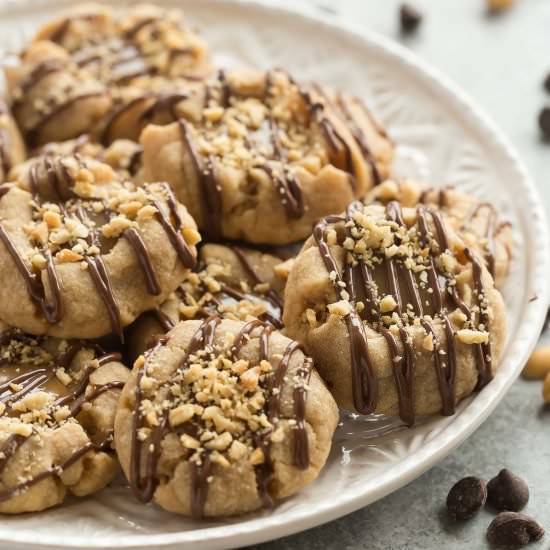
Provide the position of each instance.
(547, 83)
(544, 122)
(512, 530)
(409, 17)
(507, 491)
(466, 497)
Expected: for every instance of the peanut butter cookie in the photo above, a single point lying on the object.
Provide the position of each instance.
(230, 281)
(57, 407)
(478, 222)
(83, 70)
(221, 418)
(83, 252)
(400, 316)
(259, 157)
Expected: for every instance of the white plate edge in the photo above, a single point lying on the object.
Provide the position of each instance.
(431, 453)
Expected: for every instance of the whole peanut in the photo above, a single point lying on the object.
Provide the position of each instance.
(546, 389)
(538, 365)
(500, 5)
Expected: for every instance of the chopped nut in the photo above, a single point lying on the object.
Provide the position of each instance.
(63, 377)
(257, 457)
(52, 219)
(116, 226)
(278, 435)
(146, 212)
(311, 317)
(66, 256)
(38, 261)
(341, 308)
(181, 414)
(191, 236)
(130, 209)
(428, 342)
(20, 428)
(387, 303)
(189, 442)
(250, 378)
(237, 450)
(282, 270)
(469, 336)
(220, 442)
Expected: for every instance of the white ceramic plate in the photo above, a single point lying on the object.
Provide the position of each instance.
(442, 137)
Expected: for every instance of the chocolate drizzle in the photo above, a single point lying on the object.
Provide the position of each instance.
(359, 282)
(37, 378)
(208, 186)
(145, 454)
(142, 254)
(50, 307)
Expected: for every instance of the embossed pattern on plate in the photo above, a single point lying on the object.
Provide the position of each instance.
(443, 138)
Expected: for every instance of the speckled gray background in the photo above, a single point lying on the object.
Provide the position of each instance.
(501, 62)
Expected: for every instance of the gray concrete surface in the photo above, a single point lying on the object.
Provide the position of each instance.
(501, 62)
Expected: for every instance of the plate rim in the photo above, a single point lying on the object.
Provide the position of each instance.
(268, 527)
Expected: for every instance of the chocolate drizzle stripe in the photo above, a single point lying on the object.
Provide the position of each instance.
(272, 296)
(484, 350)
(144, 258)
(6, 494)
(35, 77)
(116, 113)
(165, 322)
(183, 250)
(208, 186)
(95, 393)
(32, 132)
(100, 277)
(50, 309)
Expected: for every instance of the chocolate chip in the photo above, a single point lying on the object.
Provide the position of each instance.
(512, 530)
(547, 83)
(507, 492)
(544, 122)
(409, 17)
(466, 497)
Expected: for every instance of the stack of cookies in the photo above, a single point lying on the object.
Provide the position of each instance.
(158, 315)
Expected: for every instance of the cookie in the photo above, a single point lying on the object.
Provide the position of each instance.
(400, 316)
(12, 148)
(477, 221)
(221, 418)
(57, 407)
(230, 281)
(83, 253)
(260, 158)
(82, 71)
